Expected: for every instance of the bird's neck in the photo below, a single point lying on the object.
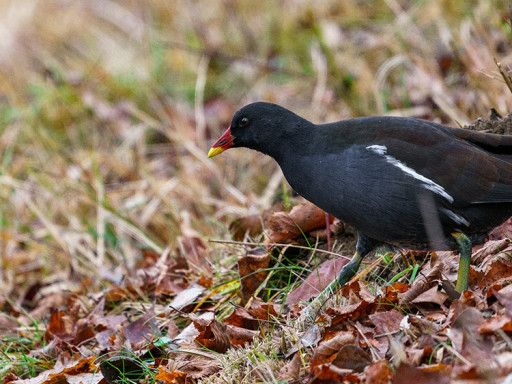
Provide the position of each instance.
(296, 140)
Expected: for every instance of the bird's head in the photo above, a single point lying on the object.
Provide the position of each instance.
(260, 126)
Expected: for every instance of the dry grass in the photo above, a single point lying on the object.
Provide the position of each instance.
(108, 109)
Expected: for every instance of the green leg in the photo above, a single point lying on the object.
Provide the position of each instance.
(364, 246)
(465, 260)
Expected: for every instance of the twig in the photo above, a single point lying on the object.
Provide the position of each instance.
(507, 78)
(278, 245)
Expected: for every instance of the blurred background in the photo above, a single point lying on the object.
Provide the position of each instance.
(108, 109)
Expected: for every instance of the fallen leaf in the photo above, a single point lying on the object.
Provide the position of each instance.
(142, 329)
(250, 225)
(243, 319)
(433, 295)
(241, 336)
(213, 335)
(316, 281)
(495, 323)
(61, 325)
(198, 366)
(490, 248)
(405, 374)
(48, 304)
(423, 283)
(192, 248)
(466, 323)
(391, 293)
(351, 357)
(379, 373)
(497, 271)
(173, 377)
(61, 374)
(332, 346)
(504, 297)
(388, 321)
(504, 231)
(361, 301)
(332, 374)
(252, 271)
(301, 219)
(186, 297)
(168, 286)
(291, 370)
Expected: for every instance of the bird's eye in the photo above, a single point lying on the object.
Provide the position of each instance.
(244, 122)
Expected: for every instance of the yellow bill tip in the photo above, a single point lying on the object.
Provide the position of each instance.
(214, 151)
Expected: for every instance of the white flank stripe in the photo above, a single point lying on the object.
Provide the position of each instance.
(457, 218)
(380, 149)
(427, 183)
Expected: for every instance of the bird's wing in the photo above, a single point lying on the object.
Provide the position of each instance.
(470, 167)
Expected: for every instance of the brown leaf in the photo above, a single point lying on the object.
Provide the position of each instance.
(470, 344)
(332, 374)
(291, 370)
(199, 366)
(83, 369)
(173, 377)
(168, 286)
(264, 311)
(301, 219)
(60, 325)
(494, 323)
(433, 295)
(388, 321)
(245, 225)
(490, 248)
(241, 336)
(213, 335)
(360, 302)
(466, 323)
(316, 281)
(405, 374)
(504, 297)
(497, 271)
(83, 331)
(105, 326)
(142, 329)
(419, 325)
(327, 348)
(117, 293)
(391, 293)
(352, 357)
(503, 231)
(423, 283)
(379, 373)
(251, 269)
(192, 248)
(243, 319)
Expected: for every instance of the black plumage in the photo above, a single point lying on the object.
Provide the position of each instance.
(399, 181)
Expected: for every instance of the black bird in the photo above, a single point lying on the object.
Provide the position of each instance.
(400, 181)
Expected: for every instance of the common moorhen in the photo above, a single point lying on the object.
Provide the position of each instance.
(400, 181)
